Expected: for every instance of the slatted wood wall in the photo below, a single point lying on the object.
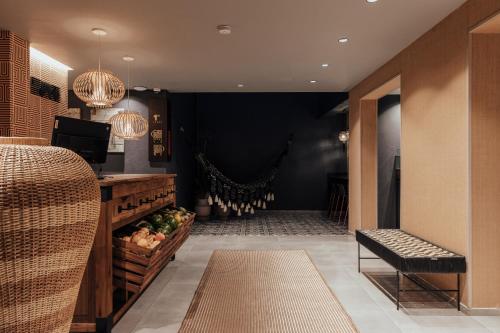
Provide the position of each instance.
(22, 113)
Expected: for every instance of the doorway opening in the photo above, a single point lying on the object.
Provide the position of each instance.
(388, 161)
(380, 112)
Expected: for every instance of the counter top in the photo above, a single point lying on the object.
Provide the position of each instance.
(115, 179)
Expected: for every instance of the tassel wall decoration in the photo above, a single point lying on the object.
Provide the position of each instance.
(264, 205)
(239, 212)
(259, 204)
(252, 211)
(225, 209)
(210, 201)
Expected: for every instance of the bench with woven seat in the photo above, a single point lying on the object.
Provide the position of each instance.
(409, 254)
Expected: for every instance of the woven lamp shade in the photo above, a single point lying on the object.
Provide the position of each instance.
(128, 125)
(49, 210)
(99, 89)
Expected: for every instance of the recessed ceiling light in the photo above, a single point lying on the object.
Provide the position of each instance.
(324, 65)
(313, 81)
(140, 88)
(224, 29)
(128, 58)
(240, 85)
(343, 40)
(99, 32)
(371, 1)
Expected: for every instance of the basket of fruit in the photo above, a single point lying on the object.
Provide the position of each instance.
(142, 250)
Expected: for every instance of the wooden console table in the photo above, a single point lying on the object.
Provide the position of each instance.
(124, 199)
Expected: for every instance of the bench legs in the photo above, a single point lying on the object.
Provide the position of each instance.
(397, 293)
(424, 288)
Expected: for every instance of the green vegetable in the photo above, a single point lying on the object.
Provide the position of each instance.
(156, 221)
(166, 229)
(170, 220)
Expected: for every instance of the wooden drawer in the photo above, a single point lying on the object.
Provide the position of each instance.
(144, 200)
(123, 207)
(170, 191)
(159, 196)
(135, 267)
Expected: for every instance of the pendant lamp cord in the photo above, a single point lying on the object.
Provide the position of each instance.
(128, 85)
(100, 49)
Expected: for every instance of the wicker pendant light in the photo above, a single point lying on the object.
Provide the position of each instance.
(128, 125)
(99, 88)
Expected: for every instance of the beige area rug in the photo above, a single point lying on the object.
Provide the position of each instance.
(264, 291)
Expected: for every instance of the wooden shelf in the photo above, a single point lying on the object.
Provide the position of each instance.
(125, 199)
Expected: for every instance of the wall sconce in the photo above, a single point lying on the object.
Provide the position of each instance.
(344, 137)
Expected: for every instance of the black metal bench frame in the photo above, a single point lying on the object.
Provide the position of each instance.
(400, 273)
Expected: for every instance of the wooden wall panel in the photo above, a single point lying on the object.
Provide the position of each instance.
(435, 193)
(369, 109)
(485, 166)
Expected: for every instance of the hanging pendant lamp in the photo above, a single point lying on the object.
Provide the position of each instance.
(99, 88)
(128, 125)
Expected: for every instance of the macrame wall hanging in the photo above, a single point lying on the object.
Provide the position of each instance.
(241, 198)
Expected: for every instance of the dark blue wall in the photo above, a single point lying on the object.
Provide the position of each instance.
(247, 131)
(389, 136)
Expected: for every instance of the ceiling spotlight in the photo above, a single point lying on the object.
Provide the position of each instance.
(324, 65)
(371, 1)
(224, 29)
(343, 40)
(240, 85)
(313, 81)
(140, 88)
(99, 32)
(128, 58)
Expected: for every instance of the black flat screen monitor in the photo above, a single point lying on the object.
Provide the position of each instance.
(88, 139)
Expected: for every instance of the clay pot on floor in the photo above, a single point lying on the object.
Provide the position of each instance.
(202, 209)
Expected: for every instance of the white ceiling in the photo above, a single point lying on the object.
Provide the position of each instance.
(276, 45)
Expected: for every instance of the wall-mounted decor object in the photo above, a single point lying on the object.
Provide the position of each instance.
(128, 124)
(49, 208)
(116, 144)
(160, 133)
(344, 136)
(99, 88)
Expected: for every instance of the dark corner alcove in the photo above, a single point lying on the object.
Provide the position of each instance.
(388, 151)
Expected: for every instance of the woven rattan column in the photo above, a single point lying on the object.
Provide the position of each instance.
(49, 209)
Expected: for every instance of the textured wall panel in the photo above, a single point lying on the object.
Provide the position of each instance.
(21, 113)
(44, 110)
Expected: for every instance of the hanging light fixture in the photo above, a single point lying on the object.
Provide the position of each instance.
(128, 125)
(99, 88)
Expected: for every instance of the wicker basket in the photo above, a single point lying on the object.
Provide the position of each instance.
(49, 209)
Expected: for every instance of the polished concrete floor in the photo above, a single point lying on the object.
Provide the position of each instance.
(164, 304)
